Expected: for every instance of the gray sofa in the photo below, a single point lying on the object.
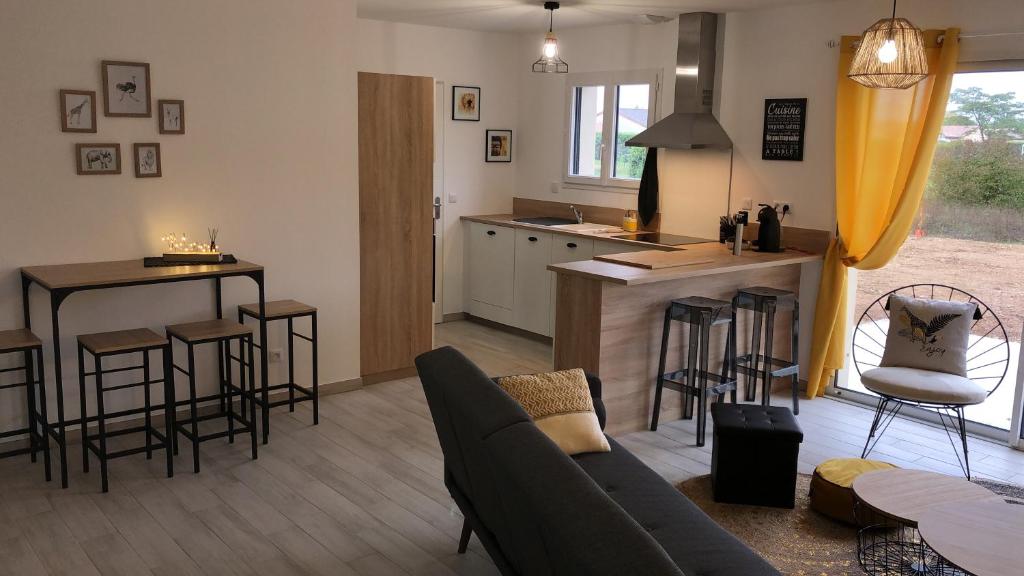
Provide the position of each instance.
(539, 512)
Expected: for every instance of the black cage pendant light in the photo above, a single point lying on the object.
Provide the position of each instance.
(549, 62)
(891, 55)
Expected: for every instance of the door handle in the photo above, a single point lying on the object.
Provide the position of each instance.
(532, 238)
(437, 207)
(491, 232)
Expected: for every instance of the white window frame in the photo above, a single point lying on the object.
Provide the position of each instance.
(610, 81)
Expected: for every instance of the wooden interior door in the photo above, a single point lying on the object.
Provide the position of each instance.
(396, 156)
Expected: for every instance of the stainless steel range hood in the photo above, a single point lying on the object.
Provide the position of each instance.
(691, 124)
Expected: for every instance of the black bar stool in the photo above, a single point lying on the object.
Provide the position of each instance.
(222, 332)
(24, 341)
(765, 302)
(287, 310)
(692, 380)
(108, 344)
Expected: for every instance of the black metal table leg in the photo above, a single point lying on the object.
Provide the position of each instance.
(100, 413)
(83, 410)
(169, 411)
(264, 377)
(30, 397)
(252, 389)
(44, 428)
(316, 374)
(149, 405)
(291, 366)
(55, 301)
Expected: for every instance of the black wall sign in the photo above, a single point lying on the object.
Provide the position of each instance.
(784, 122)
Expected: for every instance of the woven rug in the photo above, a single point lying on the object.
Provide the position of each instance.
(799, 542)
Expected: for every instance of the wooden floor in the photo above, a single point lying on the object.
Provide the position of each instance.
(359, 494)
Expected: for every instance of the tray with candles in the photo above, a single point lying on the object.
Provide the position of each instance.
(180, 250)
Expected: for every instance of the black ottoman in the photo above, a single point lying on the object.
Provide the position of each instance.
(753, 460)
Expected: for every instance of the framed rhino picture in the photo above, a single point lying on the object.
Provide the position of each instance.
(96, 159)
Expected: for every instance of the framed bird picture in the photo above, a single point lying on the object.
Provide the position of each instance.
(126, 89)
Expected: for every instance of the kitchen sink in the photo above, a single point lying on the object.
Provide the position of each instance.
(545, 221)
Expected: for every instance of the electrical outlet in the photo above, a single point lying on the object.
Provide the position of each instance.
(275, 355)
(783, 206)
(747, 204)
(555, 187)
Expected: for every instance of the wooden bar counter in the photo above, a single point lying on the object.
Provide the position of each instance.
(608, 319)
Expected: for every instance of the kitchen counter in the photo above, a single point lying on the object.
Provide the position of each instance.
(507, 221)
(722, 262)
(609, 318)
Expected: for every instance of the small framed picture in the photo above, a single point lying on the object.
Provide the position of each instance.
(126, 90)
(95, 159)
(147, 160)
(498, 146)
(77, 111)
(172, 116)
(466, 103)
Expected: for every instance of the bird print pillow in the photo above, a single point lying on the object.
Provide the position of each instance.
(928, 334)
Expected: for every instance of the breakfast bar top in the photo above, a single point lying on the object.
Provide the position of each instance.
(712, 258)
(127, 272)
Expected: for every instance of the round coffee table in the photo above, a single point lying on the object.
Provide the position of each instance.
(889, 506)
(982, 538)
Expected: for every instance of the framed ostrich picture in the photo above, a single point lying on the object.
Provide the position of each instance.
(147, 160)
(77, 111)
(466, 103)
(126, 89)
(499, 146)
(172, 116)
(95, 159)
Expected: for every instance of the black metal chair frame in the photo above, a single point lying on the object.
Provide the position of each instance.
(765, 366)
(97, 443)
(692, 381)
(189, 427)
(32, 364)
(311, 394)
(951, 416)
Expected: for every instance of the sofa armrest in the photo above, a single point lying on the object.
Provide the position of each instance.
(595, 393)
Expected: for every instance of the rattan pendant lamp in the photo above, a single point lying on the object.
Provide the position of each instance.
(890, 55)
(549, 62)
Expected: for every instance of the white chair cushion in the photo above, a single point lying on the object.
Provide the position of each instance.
(923, 386)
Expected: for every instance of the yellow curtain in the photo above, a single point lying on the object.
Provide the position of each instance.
(885, 141)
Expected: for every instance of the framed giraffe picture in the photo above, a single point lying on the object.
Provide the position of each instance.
(171, 116)
(126, 89)
(78, 111)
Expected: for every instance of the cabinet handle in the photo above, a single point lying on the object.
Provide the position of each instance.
(491, 232)
(570, 245)
(532, 238)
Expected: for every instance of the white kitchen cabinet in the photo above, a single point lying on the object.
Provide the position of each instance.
(566, 249)
(602, 247)
(531, 304)
(490, 273)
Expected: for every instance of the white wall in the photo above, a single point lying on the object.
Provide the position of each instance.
(462, 58)
(269, 157)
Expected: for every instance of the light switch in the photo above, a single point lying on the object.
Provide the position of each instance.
(453, 197)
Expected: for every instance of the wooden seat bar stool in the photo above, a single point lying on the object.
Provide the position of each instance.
(764, 302)
(288, 310)
(123, 342)
(25, 342)
(694, 378)
(223, 333)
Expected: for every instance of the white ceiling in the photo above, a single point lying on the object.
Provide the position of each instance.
(526, 15)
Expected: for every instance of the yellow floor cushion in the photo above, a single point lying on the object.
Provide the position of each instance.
(831, 492)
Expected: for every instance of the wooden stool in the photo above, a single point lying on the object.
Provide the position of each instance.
(692, 380)
(106, 344)
(24, 341)
(764, 303)
(287, 310)
(223, 332)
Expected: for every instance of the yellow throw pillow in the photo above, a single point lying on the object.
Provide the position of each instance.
(560, 405)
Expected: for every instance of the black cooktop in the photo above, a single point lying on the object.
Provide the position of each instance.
(662, 239)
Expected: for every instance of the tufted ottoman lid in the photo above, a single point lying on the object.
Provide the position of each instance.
(752, 420)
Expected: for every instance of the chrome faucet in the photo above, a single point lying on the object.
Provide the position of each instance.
(578, 213)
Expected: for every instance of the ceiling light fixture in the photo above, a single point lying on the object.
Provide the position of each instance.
(549, 62)
(890, 55)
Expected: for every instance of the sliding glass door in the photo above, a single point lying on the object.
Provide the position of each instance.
(970, 230)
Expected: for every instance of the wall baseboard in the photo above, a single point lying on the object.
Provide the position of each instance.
(453, 317)
(389, 375)
(509, 329)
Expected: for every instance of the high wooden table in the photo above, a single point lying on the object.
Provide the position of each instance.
(63, 280)
(891, 504)
(980, 538)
